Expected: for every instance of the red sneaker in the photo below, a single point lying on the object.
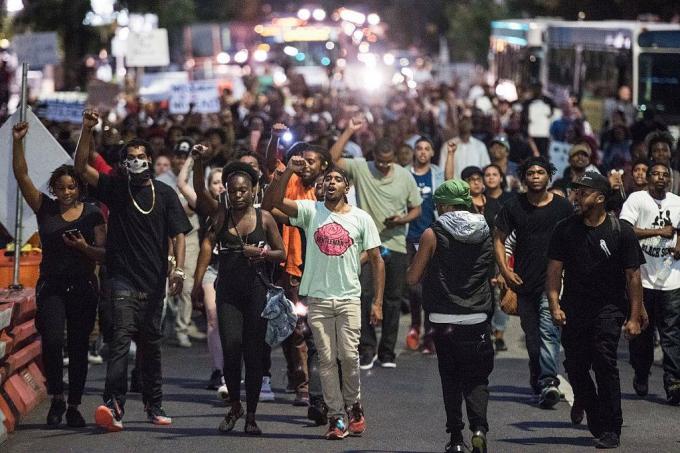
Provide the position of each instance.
(357, 422)
(336, 429)
(109, 416)
(413, 339)
(157, 416)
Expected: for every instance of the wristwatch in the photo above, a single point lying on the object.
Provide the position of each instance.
(179, 273)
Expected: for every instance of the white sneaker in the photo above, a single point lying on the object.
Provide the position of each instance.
(222, 392)
(196, 334)
(266, 393)
(94, 358)
(183, 340)
(388, 364)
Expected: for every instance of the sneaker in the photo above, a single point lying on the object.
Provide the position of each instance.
(455, 447)
(366, 361)
(641, 386)
(478, 442)
(673, 394)
(156, 415)
(608, 440)
(266, 393)
(577, 413)
(500, 345)
(109, 416)
(301, 399)
(252, 428)
(135, 381)
(388, 364)
(549, 397)
(318, 411)
(194, 334)
(74, 418)
(357, 421)
(230, 419)
(428, 346)
(412, 339)
(223, 392)
(93, 357)
(57, 409)
(336, 429)
(183, 341)
(215, 380)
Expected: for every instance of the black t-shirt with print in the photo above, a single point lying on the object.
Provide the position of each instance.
(58, 259)
(137, 243)
(595, 260)
(533, 227)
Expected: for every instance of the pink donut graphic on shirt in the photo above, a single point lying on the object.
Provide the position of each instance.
(333, 239)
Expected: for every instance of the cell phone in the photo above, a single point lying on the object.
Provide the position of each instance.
(72, 232)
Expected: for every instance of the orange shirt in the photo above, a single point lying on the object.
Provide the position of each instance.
(292, 239)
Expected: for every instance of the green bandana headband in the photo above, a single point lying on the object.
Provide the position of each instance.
(453, 192)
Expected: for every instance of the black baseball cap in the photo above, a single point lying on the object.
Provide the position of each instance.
(471, 171)
(593, 180)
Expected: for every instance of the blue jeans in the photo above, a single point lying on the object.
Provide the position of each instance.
(542, 339)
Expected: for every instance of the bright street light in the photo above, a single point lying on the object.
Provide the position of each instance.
(304, 14)
(14, 6)
(373, 19)
(319, 14)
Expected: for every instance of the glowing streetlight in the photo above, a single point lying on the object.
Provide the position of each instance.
(319, 14)
(304, 14)
(14, 6)
(241, 56)
(223, 58)
(373, 19)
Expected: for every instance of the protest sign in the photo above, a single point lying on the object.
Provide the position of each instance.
(102, 96)
(559, 156)
(43, 155)
(202, 93)
(65, 106)
(148, 48)
(36, 49)
(157, 86)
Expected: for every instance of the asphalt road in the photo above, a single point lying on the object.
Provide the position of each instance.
(404, 413)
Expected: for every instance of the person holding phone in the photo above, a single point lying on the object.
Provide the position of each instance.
(72, 234)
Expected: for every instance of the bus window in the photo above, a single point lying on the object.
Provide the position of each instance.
(659, 83)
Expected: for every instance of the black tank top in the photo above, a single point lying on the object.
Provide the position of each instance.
(235, 270)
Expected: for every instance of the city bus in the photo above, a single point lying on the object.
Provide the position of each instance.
(591, 60)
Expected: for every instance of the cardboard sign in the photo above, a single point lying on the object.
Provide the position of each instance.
(148, 48)
(43, 155)
(36, 49)
(559, 156)
(202, 93)
(102, 96)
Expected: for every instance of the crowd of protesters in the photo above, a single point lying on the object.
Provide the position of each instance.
(359, 207)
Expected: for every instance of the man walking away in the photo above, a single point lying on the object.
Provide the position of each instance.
(455, 262)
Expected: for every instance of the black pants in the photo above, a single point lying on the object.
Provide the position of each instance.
(592, 343)
(415, 298)
(242, 332)
(135, 316)
(73, 303)
(663, 308)
(465, 356)
(395, 278)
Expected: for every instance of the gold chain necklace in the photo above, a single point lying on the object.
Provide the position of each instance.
(153, 199)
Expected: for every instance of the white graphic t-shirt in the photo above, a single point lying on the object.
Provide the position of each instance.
(334, 245)
(643, 211)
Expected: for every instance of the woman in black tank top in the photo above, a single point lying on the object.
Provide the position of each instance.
(249, 243)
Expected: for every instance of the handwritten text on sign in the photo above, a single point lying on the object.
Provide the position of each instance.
(202, 93)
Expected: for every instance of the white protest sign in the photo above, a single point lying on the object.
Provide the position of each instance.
(36, 49)
(559, 156)
(156, 86)
(148, 48)
(43, 155)
(202, 93)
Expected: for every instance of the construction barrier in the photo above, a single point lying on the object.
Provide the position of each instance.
(22, 383)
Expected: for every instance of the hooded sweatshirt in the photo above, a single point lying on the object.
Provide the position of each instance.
(456, 280)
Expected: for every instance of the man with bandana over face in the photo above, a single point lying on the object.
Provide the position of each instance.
(146, 216)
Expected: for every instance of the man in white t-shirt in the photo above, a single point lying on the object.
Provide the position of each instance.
(655, 216)
(337, 234)
(469, 150)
